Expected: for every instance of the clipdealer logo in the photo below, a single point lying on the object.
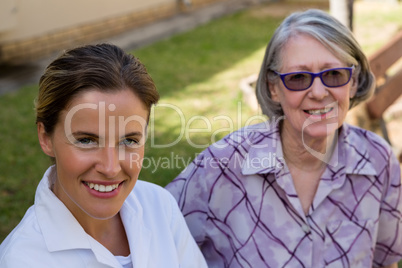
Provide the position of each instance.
(186, 129)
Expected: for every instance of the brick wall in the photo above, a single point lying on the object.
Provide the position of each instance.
(43, 45)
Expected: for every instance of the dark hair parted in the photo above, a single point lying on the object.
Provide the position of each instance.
(336, 37)
(103, 67)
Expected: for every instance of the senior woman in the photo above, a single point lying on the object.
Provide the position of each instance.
(303, 189)
(90, 208)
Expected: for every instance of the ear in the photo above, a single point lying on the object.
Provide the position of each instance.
(273, 89)
(353, 87)
(45, 140)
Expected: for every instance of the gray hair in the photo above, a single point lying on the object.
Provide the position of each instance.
(336, 37)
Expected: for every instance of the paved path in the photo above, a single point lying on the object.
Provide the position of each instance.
(13, 77)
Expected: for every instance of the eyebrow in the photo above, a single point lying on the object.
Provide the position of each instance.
(325, 66)
(83, 133)
(133, 134)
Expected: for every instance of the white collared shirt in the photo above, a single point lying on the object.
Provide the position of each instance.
(50, 236)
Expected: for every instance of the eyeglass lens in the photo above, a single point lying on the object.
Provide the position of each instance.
(330, 78)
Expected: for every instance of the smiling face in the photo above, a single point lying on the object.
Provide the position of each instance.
(317, 112)
(98, 145)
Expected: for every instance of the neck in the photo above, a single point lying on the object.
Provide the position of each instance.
(307, 153)
(99, 228)
(108, 232)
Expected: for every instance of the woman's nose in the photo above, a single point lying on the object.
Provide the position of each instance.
(318, 90)
(109, 162)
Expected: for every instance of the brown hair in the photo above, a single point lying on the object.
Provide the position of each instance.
(105, 67)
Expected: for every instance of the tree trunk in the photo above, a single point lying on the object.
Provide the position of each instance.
(343, 11)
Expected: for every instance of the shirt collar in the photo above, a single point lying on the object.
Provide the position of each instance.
(265, 153)
(355, 155)
(139, 235)
(264, 149)
(61, 231)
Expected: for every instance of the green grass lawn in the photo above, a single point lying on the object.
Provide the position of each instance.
(197, 74)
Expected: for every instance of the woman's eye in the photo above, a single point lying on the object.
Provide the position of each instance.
(129, 142)
(297, 77)
(86, 142)
(333, 73)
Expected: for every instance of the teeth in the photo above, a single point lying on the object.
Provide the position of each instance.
(319, 111)
(102, 188)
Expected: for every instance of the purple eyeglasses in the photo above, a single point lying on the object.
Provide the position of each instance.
(298, 81)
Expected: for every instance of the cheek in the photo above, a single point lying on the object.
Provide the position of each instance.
(69, 155)
(134, 161)
(74, 163)
(343, 99)
(291, 100)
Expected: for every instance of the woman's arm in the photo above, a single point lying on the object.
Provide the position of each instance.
(388, 247)
(188, 252)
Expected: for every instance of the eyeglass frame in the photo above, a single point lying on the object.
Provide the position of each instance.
(314, 75)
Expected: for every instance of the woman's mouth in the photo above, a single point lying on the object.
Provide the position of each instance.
(102, 188)
(319, 112)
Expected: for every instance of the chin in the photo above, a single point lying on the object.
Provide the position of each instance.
(320, 131)
(102, 213)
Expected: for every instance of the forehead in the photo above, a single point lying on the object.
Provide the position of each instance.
(93, 105)
(305, 50)
(98, 95)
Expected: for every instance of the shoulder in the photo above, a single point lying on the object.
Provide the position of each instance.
(157, 204)
(362, 138)
(266, 132)
(251, 132)
(25, 239)
(144, 189)
(152, 196)
(368, 153)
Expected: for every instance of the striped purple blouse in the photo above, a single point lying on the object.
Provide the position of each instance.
(241, 206)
